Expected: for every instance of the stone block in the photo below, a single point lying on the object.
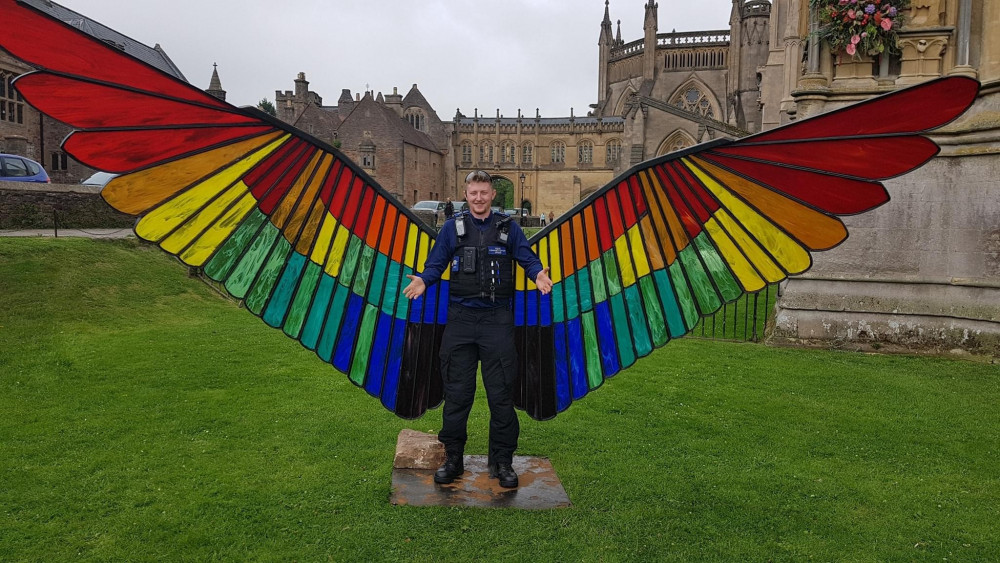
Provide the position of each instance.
(418, 450)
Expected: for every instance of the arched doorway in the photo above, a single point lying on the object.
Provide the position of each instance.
(505, 192)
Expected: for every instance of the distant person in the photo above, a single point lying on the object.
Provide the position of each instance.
(552, 217)
(449, 209)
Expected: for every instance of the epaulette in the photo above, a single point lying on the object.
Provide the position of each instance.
(503, 225)
(459, 218)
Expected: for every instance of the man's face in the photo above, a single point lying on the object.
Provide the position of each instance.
(479, 195)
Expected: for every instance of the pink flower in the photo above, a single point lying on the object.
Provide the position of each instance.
(851, 49)
(855, 39)
(851, 14)
(886, 24)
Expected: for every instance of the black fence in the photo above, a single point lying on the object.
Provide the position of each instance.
(745, 319)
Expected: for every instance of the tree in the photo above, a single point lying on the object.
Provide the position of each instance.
(267, 107)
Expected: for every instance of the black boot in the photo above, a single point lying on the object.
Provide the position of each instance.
(504, 472)
(453, 468)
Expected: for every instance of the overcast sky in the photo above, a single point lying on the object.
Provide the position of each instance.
(486, 54)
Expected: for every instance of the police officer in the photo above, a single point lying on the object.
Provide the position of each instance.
(480, 247)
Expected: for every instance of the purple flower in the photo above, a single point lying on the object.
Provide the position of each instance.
(892, 11)
(870, 9)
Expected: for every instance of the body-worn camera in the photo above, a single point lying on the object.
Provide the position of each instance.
(469, 260)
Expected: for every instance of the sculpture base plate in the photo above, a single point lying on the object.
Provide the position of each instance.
(539, 488)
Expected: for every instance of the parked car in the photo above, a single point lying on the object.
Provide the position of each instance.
(14, 168)
(517, 211)
(431, 205)
(100, 179)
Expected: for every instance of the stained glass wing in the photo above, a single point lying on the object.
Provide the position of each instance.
(672, 240)
(310, 243)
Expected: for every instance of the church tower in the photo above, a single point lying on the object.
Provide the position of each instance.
(604, 43)
(748, 51)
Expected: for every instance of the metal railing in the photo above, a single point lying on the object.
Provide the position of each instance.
(745, 319)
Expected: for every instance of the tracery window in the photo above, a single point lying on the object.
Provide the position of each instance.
(694, 100)
(507, 150)
(526, 153)
(585, 152)
(613, 152)
(467, 152)
(558, 152)
(486, 152)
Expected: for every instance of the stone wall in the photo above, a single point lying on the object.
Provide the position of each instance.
(47, 206)
(923, 270)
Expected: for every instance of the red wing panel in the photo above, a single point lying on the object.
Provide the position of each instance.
(85, 105)
(628, 208)
(125, 151)
(874, 158)
(53, 45)
(912, 110)
(832, 194)
(265, 174)
(692, 190)
(691, 223)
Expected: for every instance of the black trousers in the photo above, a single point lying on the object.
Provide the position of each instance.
(471, 337)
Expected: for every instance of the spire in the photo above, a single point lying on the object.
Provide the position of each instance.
(215, 85)
(651, 20)
(618, 34)
(605, 38)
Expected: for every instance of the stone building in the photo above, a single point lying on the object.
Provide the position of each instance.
(398, 140)
(924, 269)
(676, 89)
(25, 132)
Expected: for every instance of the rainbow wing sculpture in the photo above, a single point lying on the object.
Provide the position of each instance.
(316, 248)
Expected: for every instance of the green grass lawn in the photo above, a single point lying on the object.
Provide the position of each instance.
(145, 417)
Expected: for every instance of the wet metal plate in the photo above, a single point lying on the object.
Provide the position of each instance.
(539, 486)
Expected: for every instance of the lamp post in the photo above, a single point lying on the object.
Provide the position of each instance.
(520, 206)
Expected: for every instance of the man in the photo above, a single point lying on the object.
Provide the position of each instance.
(449, 209)
(480, 248)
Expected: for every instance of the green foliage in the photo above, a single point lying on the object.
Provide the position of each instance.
(505, 193)
(267, 107)
(145, 417)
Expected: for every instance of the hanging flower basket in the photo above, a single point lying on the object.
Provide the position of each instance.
(861, 27)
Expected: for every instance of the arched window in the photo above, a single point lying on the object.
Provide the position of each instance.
(416, 118)
(676, 141)
(11, 102)
(467, 152)
(692, 98)
(507, 150)
(585, 152)
(558, 149)
(526, 153)
(613, 152)
(486, 152)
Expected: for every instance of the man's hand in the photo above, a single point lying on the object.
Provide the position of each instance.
(543, 282)
(417, 287)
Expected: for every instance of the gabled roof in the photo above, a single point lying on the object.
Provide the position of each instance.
(407, 133)
(154, 56)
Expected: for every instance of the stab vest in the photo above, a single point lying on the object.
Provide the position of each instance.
(482, 265)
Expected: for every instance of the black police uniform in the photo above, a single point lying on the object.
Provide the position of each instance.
(480, 324)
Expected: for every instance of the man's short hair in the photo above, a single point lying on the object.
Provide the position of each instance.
(477, 176)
